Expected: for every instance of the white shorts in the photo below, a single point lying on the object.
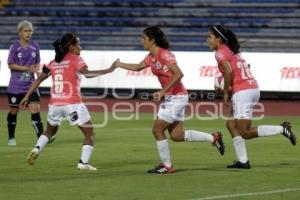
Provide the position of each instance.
(243, 103)
(77, 114)
(172, 109)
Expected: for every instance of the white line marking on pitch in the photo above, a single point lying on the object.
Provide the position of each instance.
(248, 194)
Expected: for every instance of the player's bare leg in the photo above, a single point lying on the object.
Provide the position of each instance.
(88, 146)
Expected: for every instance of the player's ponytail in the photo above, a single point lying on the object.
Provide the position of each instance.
(227, 36)
(62, 46)
(156, 34)
(233, 42)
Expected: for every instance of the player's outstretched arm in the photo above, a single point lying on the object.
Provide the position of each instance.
(94, 73)
(132, 67)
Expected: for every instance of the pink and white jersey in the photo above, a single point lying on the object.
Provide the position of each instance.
(66, 80)
(159, 67)
(242, 78)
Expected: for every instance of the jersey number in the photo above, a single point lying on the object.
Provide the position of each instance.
(58, 84)
(245, 71)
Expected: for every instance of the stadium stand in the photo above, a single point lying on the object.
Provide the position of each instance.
(262, 25)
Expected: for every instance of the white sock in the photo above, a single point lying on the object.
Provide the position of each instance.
(268, 130)
(86, 153)
(196, 136)
(41, 143)
(240, 149)
(164, 152)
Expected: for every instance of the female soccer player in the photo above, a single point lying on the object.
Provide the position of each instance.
(66, 101)
(23, 61)
(245, 94)
(173, 95)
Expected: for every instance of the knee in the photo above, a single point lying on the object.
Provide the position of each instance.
(90, 138)
(177, 136)
(157, 132)
(90, 134)
(13, 111)
(245, 134)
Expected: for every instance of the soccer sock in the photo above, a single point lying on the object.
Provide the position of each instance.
(164, 152)
(196, 136)
(11, 125)
(240, 149)
(268, 130)
(86, 154)
(41, 143)
(37, 123)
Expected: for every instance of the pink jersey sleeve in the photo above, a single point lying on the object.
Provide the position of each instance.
(147, 60)
(168, 58)
(80, 63)
(221, 55)
(49, 65)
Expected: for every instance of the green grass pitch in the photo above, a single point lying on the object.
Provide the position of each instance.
(126, 149)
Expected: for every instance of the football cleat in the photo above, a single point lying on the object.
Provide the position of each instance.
(287, 132)
(218, 142)
(240, 165)
(161, 169)
(86, 166)
(32, 156)
(12, 142)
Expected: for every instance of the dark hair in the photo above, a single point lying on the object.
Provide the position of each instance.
(227, 36)
(156, 34)
(62, 45)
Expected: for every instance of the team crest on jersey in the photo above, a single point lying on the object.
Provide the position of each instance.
(20, 55)
(33, 54)
(13, 99)
(157, 65)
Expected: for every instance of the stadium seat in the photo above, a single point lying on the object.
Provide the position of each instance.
(262, 25)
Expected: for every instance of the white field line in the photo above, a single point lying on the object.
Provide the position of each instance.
(248, 194)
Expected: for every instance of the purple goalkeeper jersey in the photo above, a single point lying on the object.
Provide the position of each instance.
(20, 81)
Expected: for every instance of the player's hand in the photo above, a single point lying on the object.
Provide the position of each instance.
(116, 63)
(33, 69)
(157, 96)
(226, 99)
(218, 91)
(24, 103)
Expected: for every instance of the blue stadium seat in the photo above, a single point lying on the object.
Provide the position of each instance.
(111, 24)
